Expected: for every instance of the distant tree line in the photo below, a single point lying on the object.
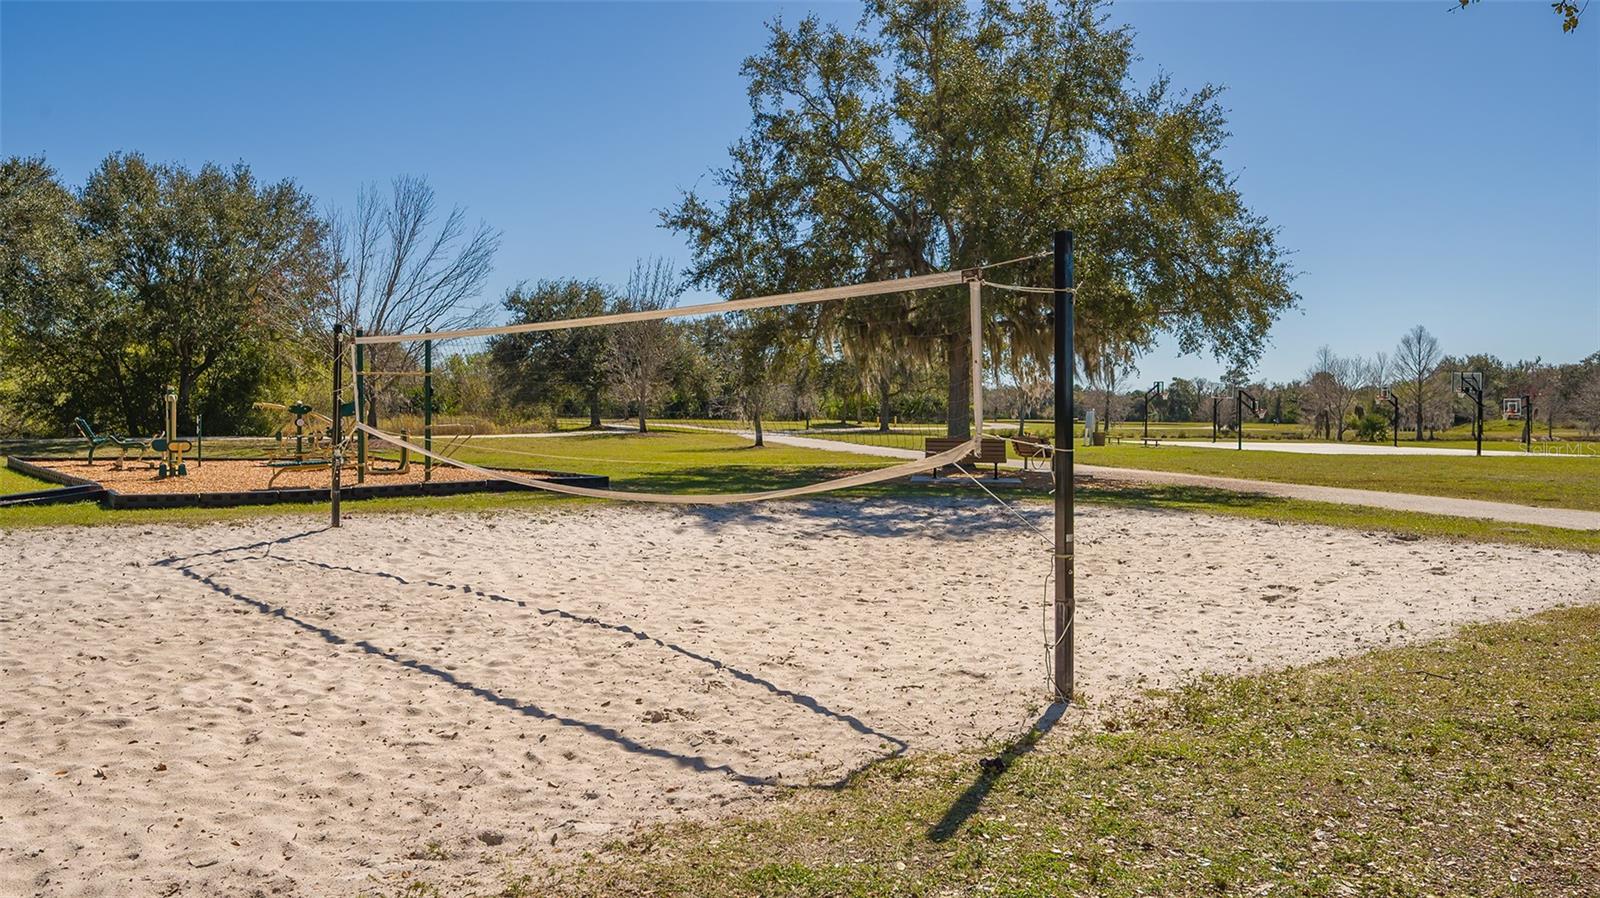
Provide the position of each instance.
(1338, 396)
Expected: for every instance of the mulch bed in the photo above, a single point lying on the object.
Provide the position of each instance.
(241, 482)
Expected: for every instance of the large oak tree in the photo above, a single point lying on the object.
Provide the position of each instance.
(940, 135)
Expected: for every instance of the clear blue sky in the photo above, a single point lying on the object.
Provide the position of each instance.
(1426, 166)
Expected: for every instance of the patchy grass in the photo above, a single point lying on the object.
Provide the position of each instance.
(1530, 480)
(1463, 767)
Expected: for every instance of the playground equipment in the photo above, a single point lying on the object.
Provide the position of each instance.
(1470, 383)
(123, 444)
(169, 444)
(299, 414)
(314, 446)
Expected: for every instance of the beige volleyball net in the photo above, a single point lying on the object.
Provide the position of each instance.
(751, 399)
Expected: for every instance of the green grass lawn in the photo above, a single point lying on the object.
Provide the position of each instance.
(1461, 767)
(718, 462)
(671, 461)
(1554, 482)
(13, 482)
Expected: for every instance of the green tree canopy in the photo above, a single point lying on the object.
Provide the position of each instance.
(939, 135)
(551, 367)
(153, 276)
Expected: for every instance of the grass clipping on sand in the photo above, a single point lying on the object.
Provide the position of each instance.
(1461, 767)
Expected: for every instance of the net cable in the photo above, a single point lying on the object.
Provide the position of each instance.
(864, 478)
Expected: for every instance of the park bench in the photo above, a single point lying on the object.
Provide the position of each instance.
(990, 452)
(1031, 449)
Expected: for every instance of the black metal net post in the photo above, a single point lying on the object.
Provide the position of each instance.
(1061, 645)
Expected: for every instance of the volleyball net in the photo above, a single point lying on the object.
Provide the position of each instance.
(839, 387)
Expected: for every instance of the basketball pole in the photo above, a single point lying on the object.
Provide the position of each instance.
(1065, 361)
(1527, 423)
(1238, 415)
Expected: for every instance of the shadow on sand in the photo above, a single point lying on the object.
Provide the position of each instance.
(182, 564)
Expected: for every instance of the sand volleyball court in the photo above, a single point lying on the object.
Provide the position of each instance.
(274, 708)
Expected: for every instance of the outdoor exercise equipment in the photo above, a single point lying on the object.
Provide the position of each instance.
(169, 444)
(1470, 383)
(1386, 395)
(300, 414)
(1241, 397)
(123, 444)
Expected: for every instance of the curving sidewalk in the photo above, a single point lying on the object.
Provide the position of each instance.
(1569, 518)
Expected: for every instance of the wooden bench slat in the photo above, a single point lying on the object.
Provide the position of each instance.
(990, 451)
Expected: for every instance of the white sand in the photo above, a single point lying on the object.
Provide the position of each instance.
(320, 714)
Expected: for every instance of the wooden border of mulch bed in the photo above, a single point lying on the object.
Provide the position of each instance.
(111, 498)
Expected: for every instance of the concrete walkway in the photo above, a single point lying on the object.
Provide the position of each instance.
(1356, 449)
(1510, 513)
(1570, 518)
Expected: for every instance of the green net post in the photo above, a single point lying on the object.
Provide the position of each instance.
(338, 418)
(427, 408)
(360, 409)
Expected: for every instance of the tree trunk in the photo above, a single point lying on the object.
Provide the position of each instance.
(761, 438)
(883, 404)
(642, 428)
(185, 397)
(959, 417)
(594, 411)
